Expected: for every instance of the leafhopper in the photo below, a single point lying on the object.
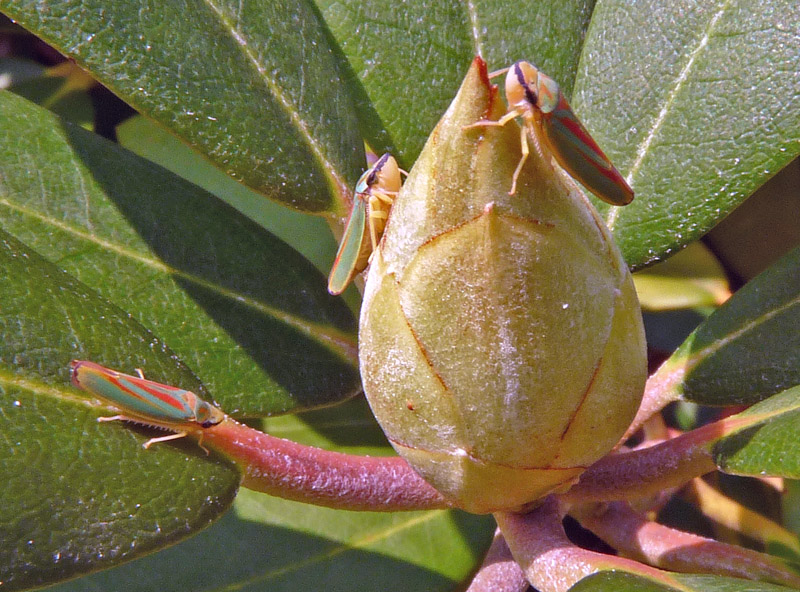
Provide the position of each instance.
(372, 200)
(147, 402)
(547, 116)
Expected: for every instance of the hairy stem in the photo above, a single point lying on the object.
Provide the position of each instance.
(313, 475)
(550, 561)
(316, 476)
(660, 390)
(636, 537)
(646, 471)
(499, 572)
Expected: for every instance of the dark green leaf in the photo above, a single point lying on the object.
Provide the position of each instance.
(768, 447)
(79, 495)
(308, 235)
(272, 544)
(410, 61)
(256, 87)
(747, 350)
(60, 94)
(696, 102)
(607, 581)
(790, 512)
(627, 582)
(349, 427)
(246, 312)
(708, 583)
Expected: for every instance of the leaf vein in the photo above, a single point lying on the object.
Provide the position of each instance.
(336, 340)
(722, 341)
(340, 549)
(475, 29)
(283, 100)
(658, 122)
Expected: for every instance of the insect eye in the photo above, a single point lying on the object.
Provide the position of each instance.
(530, 95)
(207, 423)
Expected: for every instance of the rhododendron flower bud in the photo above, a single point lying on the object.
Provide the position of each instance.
(501, 341)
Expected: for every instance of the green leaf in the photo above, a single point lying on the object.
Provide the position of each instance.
(607, 581)
(350, 427)
(63, 90)
(255, 87)
(696, 103)
(246, 312)
(280, 545)
(308, 235)
(769, 446)
(747, 350)
(410, 62)
(625, 582)
(790, 512)
(692, 278)
(79, 495)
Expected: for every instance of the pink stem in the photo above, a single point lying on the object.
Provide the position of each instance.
(550, 561)
(659, 391)
(312, 475)
(646, 471)
(622, 528)
(499, 572)
(316, 476)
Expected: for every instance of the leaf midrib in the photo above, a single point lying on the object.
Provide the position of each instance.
(338, 341)
(319, 558)
(283, 100)
(683, 75)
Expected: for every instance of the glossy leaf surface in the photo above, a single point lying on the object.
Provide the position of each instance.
(705, 117)
(410, 62)
(254, 86)
(80, 495)
(308, 235)
(282, 545)
(624, 582)
(238, 305)
(770, 445)
(747, 350)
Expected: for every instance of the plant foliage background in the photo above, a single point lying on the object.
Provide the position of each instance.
(143, 254)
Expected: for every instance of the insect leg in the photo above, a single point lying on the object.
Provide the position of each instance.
(115, 418)
(525, 151)
(491, 123)
(175, 436)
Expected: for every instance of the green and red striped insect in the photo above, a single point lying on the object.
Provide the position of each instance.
(547, 116)
(372, 200)
(147, 402)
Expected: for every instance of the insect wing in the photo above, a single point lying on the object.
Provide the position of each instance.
(136, 396)
(381, 181)
(578, 153)
(354, 241)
